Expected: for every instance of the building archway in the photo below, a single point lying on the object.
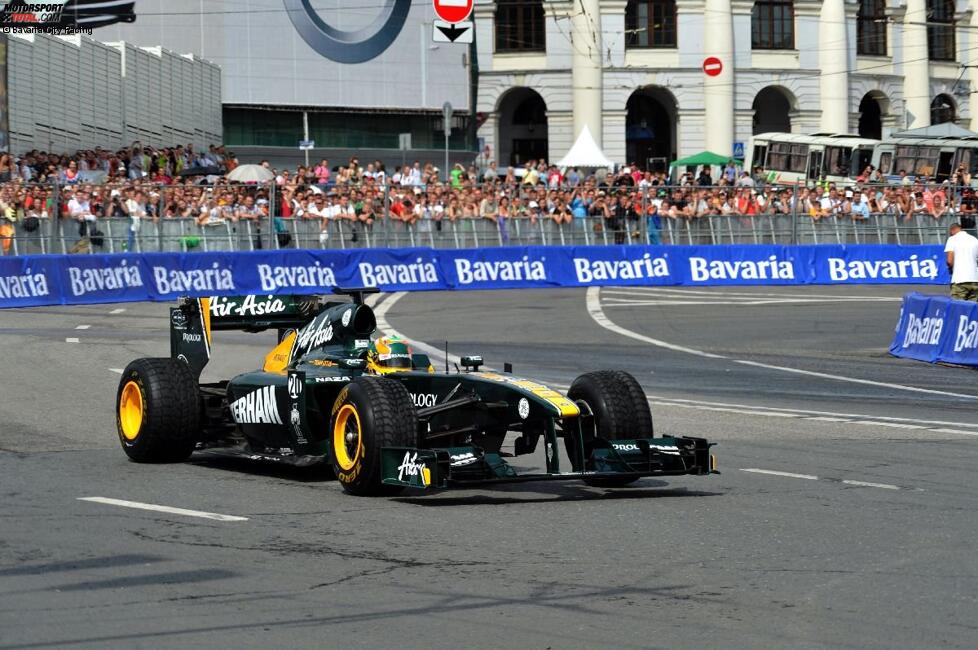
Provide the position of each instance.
(772, 111)
(943, 109)
(650, 128)
(872, 108)
(523, 133)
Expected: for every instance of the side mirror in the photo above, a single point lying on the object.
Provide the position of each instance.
(472, 363)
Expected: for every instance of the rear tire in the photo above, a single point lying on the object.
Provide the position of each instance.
(158, 411)
(621, 412)
(368, 414)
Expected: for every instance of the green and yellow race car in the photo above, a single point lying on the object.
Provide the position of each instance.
(378, 412)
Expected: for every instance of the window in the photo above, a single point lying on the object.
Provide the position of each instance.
(760, 154)
(519, 26)
(926, 161)
(906, 158)
(871, 28)
(799, 158)
(861, 159)
(918, 161)
(942, 110)
(773, 25)
(787, 157)
(838, 161)
(650, 23)
(940, 30)
(885, 160)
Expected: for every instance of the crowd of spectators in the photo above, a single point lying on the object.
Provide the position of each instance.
(143, 183)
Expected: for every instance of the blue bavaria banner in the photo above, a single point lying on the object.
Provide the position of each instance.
(935, 328)
(89, 279)
(875, 264)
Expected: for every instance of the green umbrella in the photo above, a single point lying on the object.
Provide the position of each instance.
(704, 158)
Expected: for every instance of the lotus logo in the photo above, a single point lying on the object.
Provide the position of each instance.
(349, 46)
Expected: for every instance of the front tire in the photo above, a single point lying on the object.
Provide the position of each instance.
(369, 413)
(158, 411)
(621, 412)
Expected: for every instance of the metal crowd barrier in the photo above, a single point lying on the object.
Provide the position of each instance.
(185, 235)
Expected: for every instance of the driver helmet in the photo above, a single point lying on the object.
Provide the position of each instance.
(389, 354)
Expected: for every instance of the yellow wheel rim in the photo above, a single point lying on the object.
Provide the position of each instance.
(131, 410)
(347, 443)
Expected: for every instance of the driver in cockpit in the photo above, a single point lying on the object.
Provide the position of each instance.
(389, 354)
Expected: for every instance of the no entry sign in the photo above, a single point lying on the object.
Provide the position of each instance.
(453, 11)
(712, 66)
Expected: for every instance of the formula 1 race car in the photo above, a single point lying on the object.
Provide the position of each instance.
(378, 413)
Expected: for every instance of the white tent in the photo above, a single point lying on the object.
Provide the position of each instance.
(585, 153)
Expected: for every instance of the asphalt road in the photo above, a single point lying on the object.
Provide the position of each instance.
(844, 517)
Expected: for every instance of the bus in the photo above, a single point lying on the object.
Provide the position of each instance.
(795, 159)
(934, 158)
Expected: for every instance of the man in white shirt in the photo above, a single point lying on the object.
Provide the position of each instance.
(962, 260)
(315, 209)
(343, 210)
(415, 174)
(135, 207)
(79, 208)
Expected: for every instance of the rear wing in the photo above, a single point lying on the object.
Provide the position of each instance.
(260, 313)
(193, 320)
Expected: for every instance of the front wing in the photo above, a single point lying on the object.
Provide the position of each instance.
(620, 459)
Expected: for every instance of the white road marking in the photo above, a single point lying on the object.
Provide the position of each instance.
(594, 309)
(854, 380)
(167, 509)
(83, 327)
(72, 340)
(726, 409)
(771, 472)
(761, 411)
(885, 486)
(892, 425)
(832, 416)
(957, 431)
(117, 371)
(118, 311)
(597, 313)
(811, 477)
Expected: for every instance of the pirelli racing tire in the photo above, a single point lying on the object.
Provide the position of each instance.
(621, 412)
(158, 411)
(368, 414)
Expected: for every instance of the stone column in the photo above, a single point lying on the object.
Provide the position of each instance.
(586, 76)
(916, 87)
(718, 91)
(833, 60)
